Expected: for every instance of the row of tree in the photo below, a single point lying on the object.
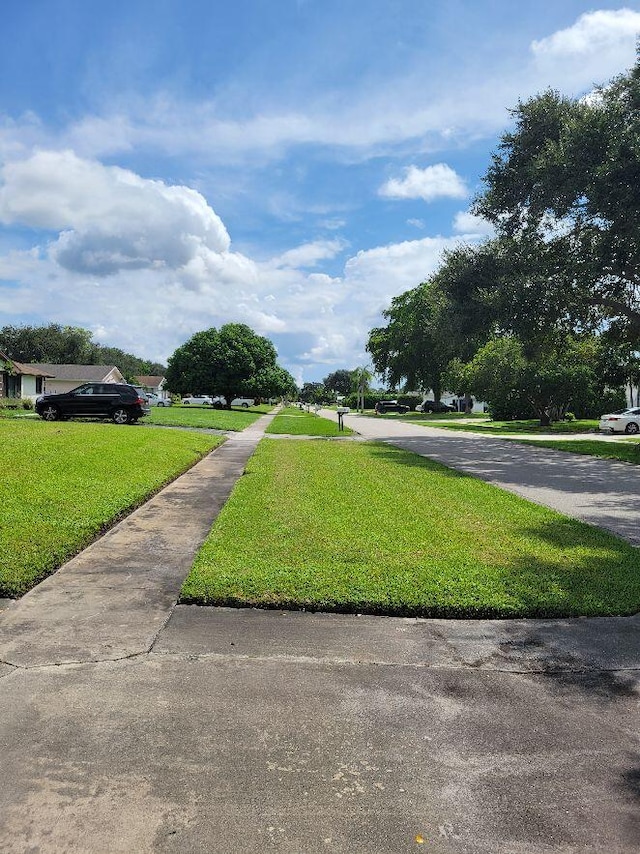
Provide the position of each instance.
(546, 314)
(70, 345)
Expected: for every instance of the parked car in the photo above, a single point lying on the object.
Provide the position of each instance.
(156, 400)
(197, 400)
(384, 406)
(122, 403)
(434, 406)
(244, 402)
(623, 421)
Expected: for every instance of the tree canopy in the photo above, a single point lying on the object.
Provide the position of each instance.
(408, 349)
(69, 345)
(233, 361)
(339, 382)
(512, 319)
(563, 193)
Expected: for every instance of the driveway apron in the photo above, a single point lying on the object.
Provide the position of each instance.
(600, 492)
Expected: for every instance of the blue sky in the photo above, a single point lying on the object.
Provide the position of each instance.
(171, 165)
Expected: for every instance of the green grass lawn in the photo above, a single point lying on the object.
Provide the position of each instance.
(61, 484)
(625, 450)
(532, 426)
(204, 416)
(296, 422)
(365, 527)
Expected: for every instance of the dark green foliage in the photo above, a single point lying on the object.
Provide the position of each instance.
(516, 384)
(340, 382)
(370, 399)
(70, 345)
(563, 192)
(408, 350)
(232, 362)
(314, 393)
(53, 343)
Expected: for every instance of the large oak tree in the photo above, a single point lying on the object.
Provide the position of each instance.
(233, 361)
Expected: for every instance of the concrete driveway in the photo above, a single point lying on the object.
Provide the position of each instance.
(130, 724)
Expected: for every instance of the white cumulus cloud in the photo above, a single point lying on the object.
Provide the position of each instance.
(431, 183)
(110, 219)
(597, 46)
(468, 224)
(309, 254)
(593, 31)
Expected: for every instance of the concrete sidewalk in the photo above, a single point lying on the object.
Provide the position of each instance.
(129, 724)
(111, 600)
(605, 493)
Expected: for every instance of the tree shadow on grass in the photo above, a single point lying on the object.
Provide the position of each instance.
(399, 456)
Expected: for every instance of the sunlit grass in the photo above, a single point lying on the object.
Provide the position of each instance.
(366, 527)
(528, 426)
(297, 422)
(624, 450)
(63, 483)
(204, 416)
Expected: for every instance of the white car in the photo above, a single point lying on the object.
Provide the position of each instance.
(156, 400)
(197, 400)
(245, 402)
(624, 421)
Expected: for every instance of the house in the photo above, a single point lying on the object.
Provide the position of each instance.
(19, 381)
(152, 385)
(61, 378)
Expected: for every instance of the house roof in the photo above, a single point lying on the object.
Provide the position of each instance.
(85, 373)
(30, 370)
(150, 381)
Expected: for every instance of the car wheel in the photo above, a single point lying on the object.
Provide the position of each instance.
(186, 402)
(121, 416)
(245, 405)
(50, 413)
(632, 428)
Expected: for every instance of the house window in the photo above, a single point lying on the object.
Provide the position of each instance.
(13, 386)
(39, 385)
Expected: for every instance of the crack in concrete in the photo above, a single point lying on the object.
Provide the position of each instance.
(320, 662)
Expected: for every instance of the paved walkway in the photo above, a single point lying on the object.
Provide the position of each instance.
(605, 493)
(130, 724)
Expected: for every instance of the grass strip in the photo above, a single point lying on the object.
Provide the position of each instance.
(498, 427)
(368, 528)
(625, 451)
(204, 416)
(62, 484)
(296, 422)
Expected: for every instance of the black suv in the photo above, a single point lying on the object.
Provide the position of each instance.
(122, 403)
(383, 406)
